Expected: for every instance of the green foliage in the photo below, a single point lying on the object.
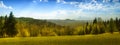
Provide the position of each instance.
(88, 28)
(94, 29)
(7, 26)
(112, 25)
(10, 28)
(23, 33)
(29, 27)
(82, 31)
(70, 31)
(102, 29)
(1, 27)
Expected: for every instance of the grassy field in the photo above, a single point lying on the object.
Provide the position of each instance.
(102, 39)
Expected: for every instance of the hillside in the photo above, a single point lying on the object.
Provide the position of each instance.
(71, 23)
(38, 27)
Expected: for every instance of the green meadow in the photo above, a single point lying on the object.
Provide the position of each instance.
(101, 39)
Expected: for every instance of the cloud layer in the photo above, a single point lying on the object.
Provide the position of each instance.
(85, 10)
(68, 9)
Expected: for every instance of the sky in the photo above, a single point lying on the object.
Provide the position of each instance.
(61, 9)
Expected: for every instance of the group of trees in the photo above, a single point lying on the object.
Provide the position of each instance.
(7, 26)
(113, 25)
(29, 27)
(100, 26)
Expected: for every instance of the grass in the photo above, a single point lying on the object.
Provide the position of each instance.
(102, 39)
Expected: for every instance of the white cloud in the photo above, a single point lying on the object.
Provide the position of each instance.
(61, 1)
(93, 6)
(90, 6)
(2, 5)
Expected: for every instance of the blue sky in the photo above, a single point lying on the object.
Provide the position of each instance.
(62, 9)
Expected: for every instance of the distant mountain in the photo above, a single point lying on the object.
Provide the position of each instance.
(71, 23)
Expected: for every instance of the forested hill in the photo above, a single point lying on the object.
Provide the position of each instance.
(37, 27)
(37, 22)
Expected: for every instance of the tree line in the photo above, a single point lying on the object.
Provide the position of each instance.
(100, 26)
(11, 26)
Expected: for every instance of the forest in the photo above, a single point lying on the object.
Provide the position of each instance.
(11, 26)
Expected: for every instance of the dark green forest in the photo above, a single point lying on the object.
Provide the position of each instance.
(11, 26)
